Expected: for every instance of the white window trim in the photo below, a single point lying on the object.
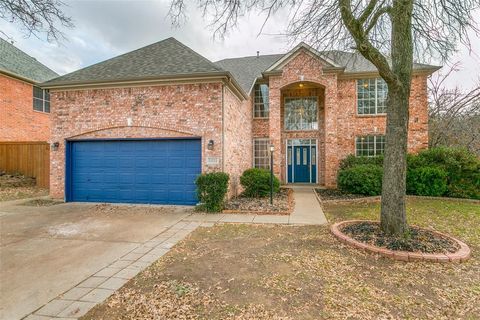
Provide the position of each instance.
(285, 118)
(43, 99)
(253, 151)
(317, 176)
(374, 144)
(254, 103)
(376, 100)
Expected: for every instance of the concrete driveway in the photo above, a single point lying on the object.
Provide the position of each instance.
(45, 251)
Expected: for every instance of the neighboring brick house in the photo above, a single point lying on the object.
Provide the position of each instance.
(24, 107)
(141, 126)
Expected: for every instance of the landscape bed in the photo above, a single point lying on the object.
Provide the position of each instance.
(283, 204)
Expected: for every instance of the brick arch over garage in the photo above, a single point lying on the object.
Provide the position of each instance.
(132, 132)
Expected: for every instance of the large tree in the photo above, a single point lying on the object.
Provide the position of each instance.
(36, 17)
(388, 33)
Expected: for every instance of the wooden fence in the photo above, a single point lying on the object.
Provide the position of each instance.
(31, 159)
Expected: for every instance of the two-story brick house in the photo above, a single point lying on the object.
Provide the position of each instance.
(24, 106)
(141, 126)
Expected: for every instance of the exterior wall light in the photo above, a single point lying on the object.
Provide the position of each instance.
(55, 146)
(210, 145)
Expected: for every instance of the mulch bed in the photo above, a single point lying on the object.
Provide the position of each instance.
(417, 240)
(282, 204)
(335, 194)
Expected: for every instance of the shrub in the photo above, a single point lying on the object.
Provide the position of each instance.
(427, 181)
(256, 183)
(211, 190)
(352, 161)
(363, 179)
(461, 166)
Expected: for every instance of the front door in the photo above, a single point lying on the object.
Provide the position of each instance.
(301, 159)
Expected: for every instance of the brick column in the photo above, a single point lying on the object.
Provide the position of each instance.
(331, 145)
(274, 124)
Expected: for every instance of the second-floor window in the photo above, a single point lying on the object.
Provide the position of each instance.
(41, 100)
(371, 96)
(260, 101)
(301, 113)
(369, 146)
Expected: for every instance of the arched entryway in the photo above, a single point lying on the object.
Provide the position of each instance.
(302, 121)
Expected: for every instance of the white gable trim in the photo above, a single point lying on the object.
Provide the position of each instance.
(295, 51)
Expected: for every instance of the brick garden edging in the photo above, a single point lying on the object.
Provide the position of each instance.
(461, 255)
(291, 206)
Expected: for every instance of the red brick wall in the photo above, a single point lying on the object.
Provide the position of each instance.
(155, 111)
(307, 69)
(260, 128)
(18, 120)
(237, 138)
(319, 135)
(351, 125)
(338, 122)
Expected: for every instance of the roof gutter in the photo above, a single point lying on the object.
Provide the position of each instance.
(356, 75)
(18, 77)
(157, 80)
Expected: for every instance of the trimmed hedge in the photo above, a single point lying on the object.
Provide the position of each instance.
(461, 166)
(427, 181)
(256, 183)
(211, 190)
(363, 179)
(442, 171)
(352, 161)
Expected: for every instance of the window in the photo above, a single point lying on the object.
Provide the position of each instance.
(260, 102)
(41, 100)
(301, 113)
(369, 146)
(371, 96)
(261, 156)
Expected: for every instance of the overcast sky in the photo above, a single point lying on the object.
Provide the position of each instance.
(104, 29)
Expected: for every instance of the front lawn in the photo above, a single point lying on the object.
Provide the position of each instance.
(236, 271)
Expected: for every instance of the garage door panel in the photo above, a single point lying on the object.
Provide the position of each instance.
(146, 171)
(159, 179)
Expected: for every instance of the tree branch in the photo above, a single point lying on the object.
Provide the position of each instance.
(364, 46)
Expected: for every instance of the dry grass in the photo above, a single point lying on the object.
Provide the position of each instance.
(16, 186)
(237, 271)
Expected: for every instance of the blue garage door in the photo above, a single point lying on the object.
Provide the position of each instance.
(134, 171)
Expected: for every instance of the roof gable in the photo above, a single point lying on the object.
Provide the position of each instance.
(247, 69)
(295, 51)
(165, 58)
(17, 63)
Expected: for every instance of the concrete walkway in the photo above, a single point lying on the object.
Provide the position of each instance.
(307, 208)
(307, 211)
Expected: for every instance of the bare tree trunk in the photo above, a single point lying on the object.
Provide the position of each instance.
(393, 218)
(393, 214)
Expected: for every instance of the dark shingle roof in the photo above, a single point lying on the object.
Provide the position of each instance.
(17, 63)
(245, 70)
(354, 62)
(168, 57)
